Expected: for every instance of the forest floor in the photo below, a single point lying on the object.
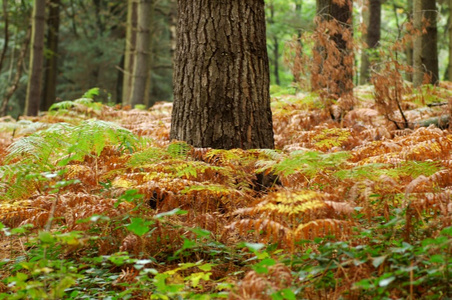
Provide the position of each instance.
(97, 202)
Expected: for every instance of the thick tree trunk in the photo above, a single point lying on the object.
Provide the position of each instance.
(129, 54)
(372, 39)
(51, 69)
(141, 61)
(36, 59)
(334, 62)
(430, 41)
(221, 76)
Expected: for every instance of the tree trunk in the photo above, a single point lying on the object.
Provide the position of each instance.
(334, 62)
(221, 76)
(409, 45)
(129, 55)
(6, 28)
(418, 73)
(275, 40)
(372, 39)
(19, 67)
(141, 60)
(51, 69)
(430, 41)
(36, 59)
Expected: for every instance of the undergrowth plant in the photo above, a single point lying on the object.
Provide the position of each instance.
(111, 208)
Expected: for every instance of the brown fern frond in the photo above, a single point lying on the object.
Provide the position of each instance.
(324, 227)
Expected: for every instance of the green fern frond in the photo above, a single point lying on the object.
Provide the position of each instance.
(146, 157)
(179, 149)
(308, 163)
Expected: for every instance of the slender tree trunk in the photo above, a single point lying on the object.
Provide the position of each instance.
(221, 76)
(276, 57)
(275, 39)
(51, 69)
(409, 45)
(372, 39)
(418, 72)
(173, 26)
(430, 41)
(6, 28)
(19, 67)
(141, 61)
(36, 59)
(129, 55)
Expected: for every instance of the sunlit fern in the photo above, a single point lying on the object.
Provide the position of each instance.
(287, 217)
(307, 162)
(55, 147)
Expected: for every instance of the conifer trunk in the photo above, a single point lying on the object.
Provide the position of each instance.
(418, 74)
(372, 39)
(129, 53)
(430, 41)
(221, 75)
(141, 61)
(51, 69)
(36, 59)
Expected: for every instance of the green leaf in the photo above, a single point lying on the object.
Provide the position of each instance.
(46, 237)
(287, 294)
(262, 266)
(139, 226)
(386, 281)
(254, 247)
(437, 258)
(377, 261)
(176, 211)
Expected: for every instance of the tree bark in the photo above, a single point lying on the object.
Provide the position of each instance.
(141, 60)
(51, 69)
(19, 67)
(36, 59)
(430, 41)
(409, 45)
(418, 74)
(221, 76)
(129, 55)
(6, 28)
(372, 39)
(334, 63)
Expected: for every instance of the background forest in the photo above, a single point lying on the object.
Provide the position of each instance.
(353, 202)
(91, 45)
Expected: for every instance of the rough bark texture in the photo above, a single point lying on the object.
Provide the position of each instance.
(131, 38)
(51, 68)
(430, 41)
(141, 60)
(36, 59)
(221, 76)
(372, 39)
